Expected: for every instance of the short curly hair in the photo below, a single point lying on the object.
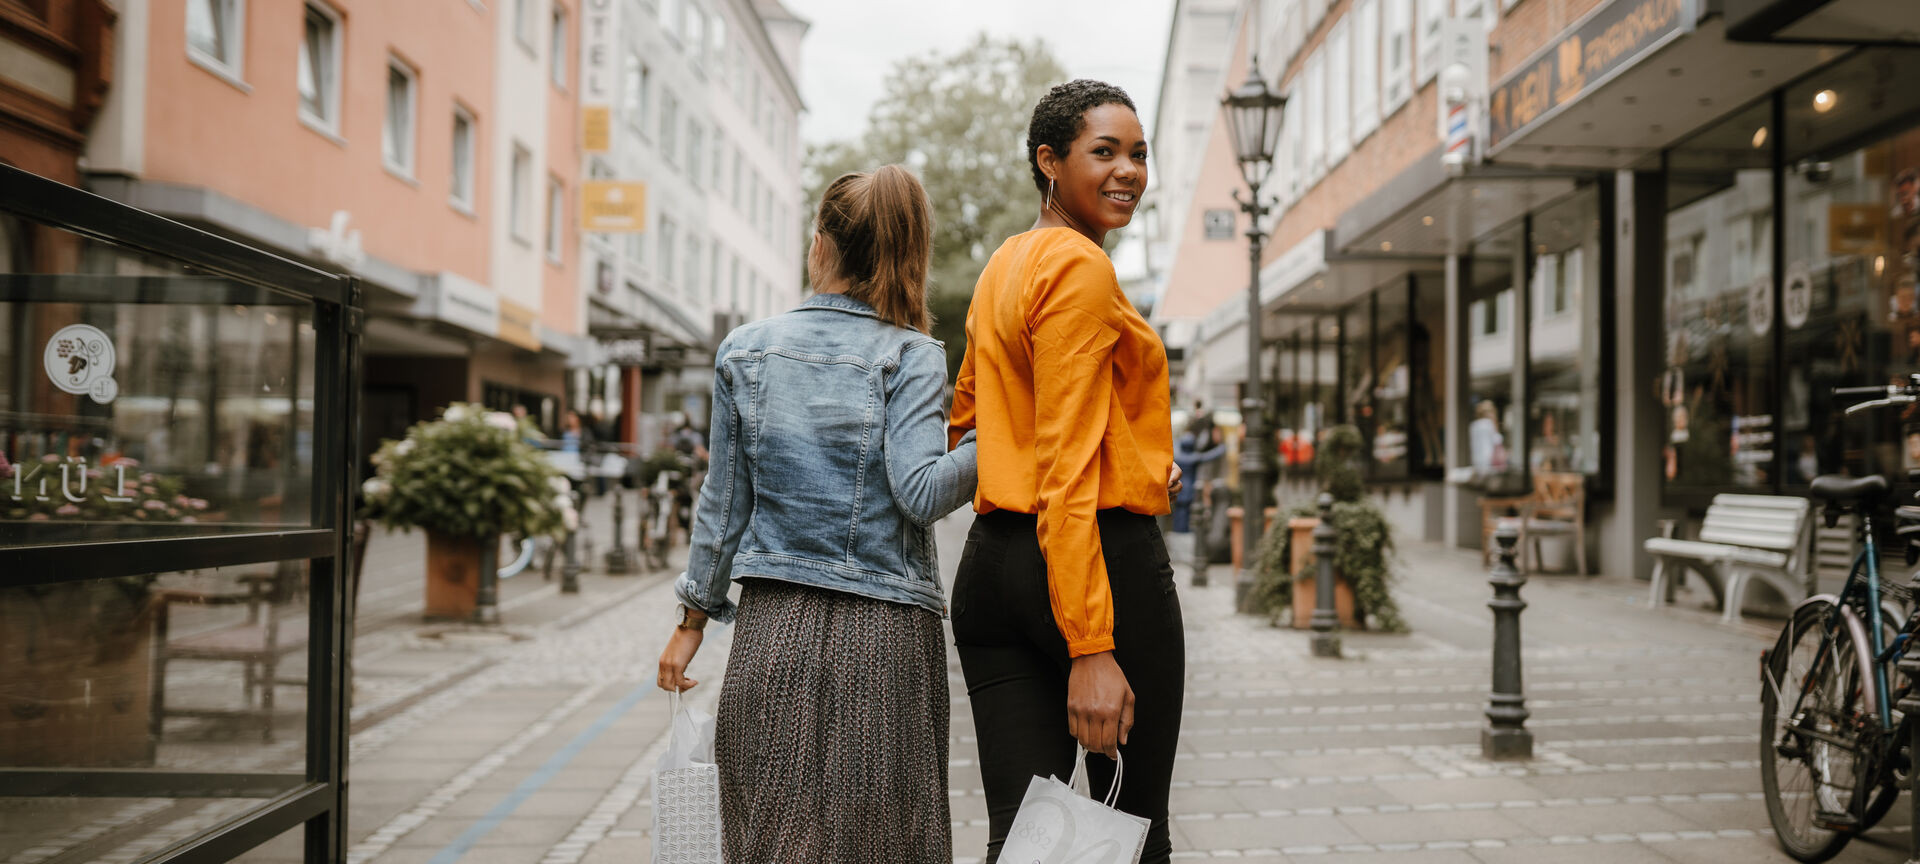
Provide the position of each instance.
(1061, 116)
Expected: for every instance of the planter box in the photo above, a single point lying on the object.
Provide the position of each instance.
(78, 689)
(1304, 588)
(453, 577)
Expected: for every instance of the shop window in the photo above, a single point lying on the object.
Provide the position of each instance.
(1851, 250)
(1392, 394)
(1564, 350)
(1717, 392)
(1492, 448)
(1428, 344)
(1356, 368)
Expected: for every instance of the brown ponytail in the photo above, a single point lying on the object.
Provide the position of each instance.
(879, 229)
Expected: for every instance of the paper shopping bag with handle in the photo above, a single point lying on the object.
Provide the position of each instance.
(1057, 825)
(686, 793)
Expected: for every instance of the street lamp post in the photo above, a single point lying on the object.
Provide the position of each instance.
(1253, 120)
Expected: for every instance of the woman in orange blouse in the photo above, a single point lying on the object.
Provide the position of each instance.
(1064, 608)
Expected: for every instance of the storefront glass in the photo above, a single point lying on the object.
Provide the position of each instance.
(1393, 383)
(1564, 363)
(1717, 393)
(1356, 368)
(1427, 419)
(1852, 254)
(1491, 446)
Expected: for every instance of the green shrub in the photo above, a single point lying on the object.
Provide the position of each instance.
(468, 474)
(1365, 544)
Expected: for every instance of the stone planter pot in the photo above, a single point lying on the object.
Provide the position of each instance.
(1304, 588)
(79, 667)
(453, 577)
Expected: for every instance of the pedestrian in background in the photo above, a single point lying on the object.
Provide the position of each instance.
(1187, 454)
(1064, 608)
(832, 726)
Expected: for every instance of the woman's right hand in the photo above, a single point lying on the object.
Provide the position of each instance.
(674, 660)
(1099, 703)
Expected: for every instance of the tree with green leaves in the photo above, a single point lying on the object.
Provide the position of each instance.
(959, 121)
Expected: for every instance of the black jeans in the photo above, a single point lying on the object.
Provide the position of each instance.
(1016, 665)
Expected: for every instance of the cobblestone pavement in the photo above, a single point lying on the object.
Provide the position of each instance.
(538, 748)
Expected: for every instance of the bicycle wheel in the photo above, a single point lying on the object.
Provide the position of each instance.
(1811, 686)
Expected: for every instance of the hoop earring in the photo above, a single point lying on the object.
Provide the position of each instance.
(1049, 202)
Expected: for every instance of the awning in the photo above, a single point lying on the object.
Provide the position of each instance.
(1426, 212)
(1630, 79)
(1833, 22)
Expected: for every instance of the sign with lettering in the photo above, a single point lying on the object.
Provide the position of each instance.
(1219, 223)
(1586, 56)
(599, 72)
(613, 206)
(516, 325)
(623, 347)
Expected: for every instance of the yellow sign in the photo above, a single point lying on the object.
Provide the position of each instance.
(596, 128)
(516, 325)
(613, 206)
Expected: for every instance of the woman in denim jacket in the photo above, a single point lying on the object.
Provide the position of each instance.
(829, 466)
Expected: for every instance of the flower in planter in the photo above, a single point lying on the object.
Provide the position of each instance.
(467, 474)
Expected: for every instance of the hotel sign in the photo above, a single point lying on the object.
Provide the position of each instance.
(599, 72)
(1587, 55)
(613, 206)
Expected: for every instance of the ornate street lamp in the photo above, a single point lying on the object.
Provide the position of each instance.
(1253, 121)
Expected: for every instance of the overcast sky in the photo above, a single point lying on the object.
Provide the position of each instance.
(853, 44)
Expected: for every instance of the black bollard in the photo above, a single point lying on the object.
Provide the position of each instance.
(619, 562)
(486, 605)
(1505, 736)
(1197, 523)
(570, 566)
(1326, 642)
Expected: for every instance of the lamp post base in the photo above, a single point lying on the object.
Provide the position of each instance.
(1326, 645)
(1506, 744)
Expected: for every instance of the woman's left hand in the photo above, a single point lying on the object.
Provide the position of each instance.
(1173, 482)
(674, 660)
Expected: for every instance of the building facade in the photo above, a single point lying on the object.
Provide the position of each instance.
(707, 119)
(1666, 242)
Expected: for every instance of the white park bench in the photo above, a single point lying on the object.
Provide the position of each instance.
(1744, 537)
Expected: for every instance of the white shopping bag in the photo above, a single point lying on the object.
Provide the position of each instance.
(686, 793)
(1057, 825)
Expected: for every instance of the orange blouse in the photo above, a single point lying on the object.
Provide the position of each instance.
(1067, 387)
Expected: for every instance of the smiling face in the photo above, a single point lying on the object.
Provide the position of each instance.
(1098, 183)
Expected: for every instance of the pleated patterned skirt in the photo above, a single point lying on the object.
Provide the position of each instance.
(832, 730)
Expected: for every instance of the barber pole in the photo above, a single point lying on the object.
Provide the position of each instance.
(1457, 128)
(1459, 142)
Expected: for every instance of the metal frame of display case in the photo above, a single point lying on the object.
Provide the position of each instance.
(318, 799)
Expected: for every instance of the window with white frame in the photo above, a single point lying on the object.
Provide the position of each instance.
(461, 194)
(670, 128)
(719, 158)
(753, 200)
(319, 58)
(670, 17)
(556, 212)
(523, 23)
(690, 284)
(713, 269)
(1396, 59)
(738, 187)
(557, 53)
(397, 140)
(1433, 16)
(1339, 92)
(740, 73)
(1296, 180)
(754, 108)
(518, 196)
(696, 146)
(1315, 114)
(766, 213)
(215, 33)
(1366, 68)
(639, 78)
(717, 49)
(696, 34)
(1470, 8)
(669, 235)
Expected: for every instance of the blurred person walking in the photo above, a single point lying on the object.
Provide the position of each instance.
(1064, 608)
(828, 467)
(1187, 454)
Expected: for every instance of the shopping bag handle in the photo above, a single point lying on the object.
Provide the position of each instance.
(1080, 767)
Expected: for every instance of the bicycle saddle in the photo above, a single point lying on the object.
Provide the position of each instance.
(1833, 487)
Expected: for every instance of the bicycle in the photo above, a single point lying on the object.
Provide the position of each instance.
(1832, 744)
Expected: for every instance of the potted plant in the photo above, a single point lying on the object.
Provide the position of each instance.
(468, 479)
(1365, 544)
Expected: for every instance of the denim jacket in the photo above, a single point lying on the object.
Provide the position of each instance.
(829, 460)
